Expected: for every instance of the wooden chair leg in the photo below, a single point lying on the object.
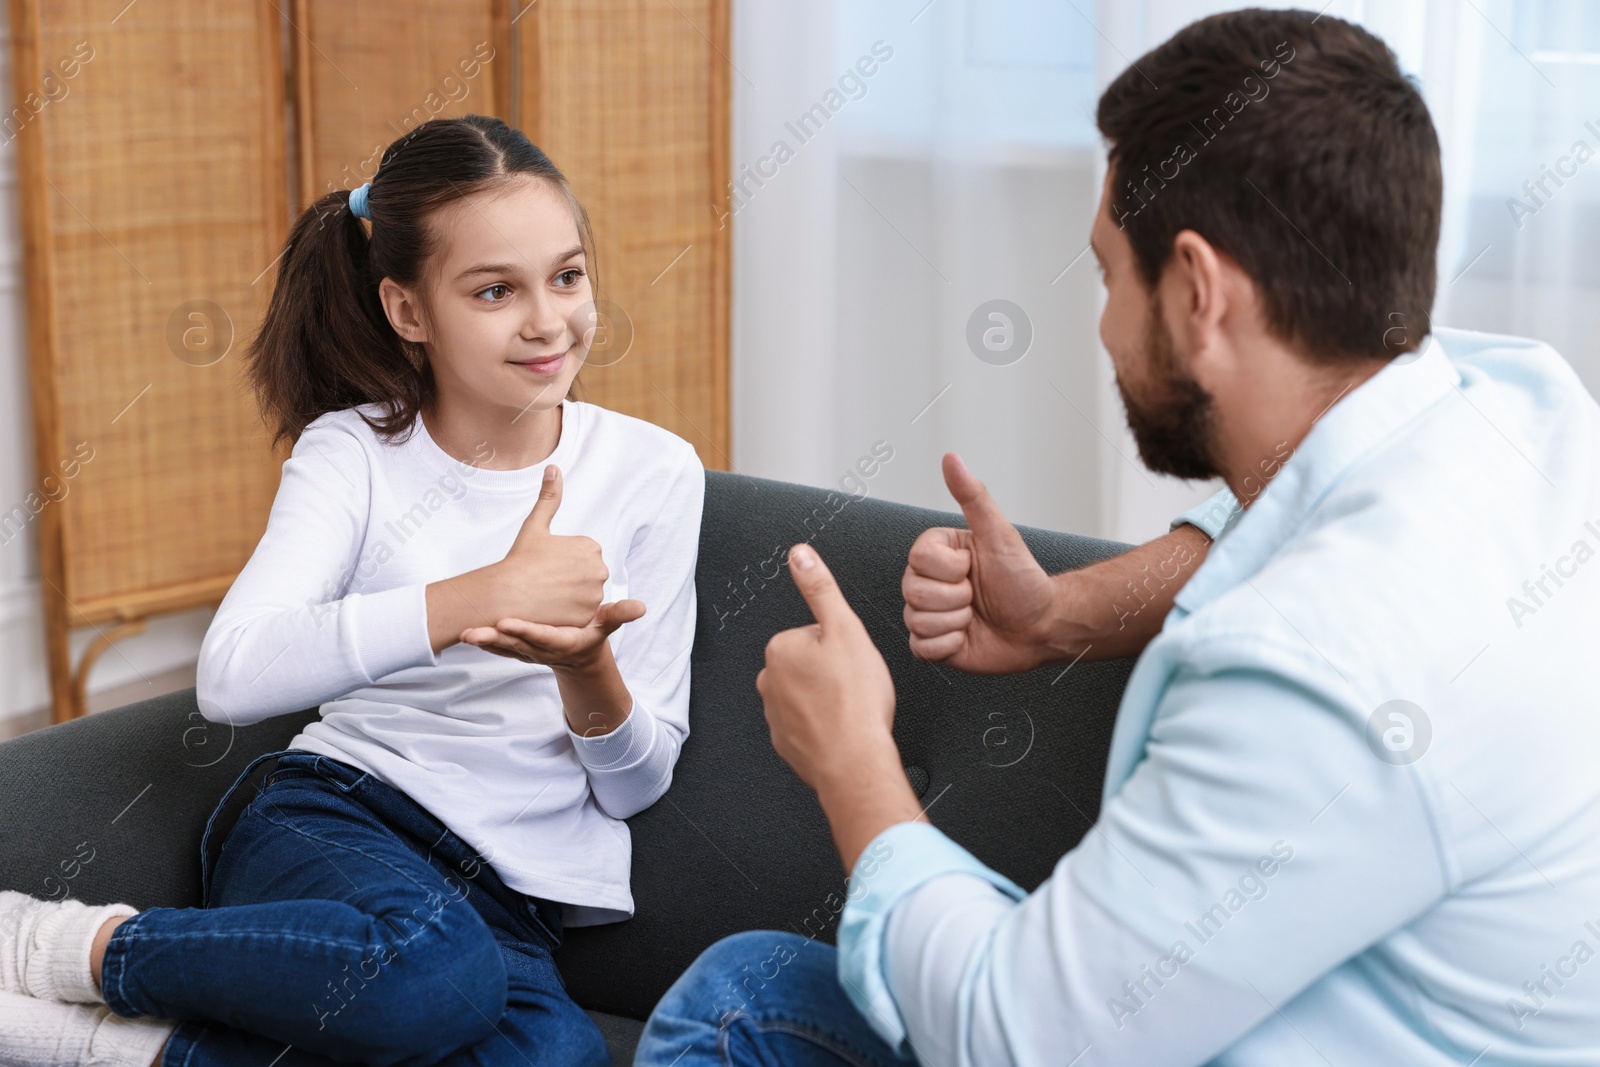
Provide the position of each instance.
(96, 649)
(58, 654)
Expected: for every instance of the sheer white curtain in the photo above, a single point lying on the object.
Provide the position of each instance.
(964, 169)
(959, 171)
(1522, 245)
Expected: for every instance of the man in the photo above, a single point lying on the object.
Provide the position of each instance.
(1352, 804)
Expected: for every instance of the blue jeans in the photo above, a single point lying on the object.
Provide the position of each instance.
(344, 923)
(764, 998)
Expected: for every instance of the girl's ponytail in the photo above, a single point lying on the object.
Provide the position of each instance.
(326, 344)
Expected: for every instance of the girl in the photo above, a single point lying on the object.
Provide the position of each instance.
(495, 698)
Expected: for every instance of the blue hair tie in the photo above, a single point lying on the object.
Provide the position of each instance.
(358, 201)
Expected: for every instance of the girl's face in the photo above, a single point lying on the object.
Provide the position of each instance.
(509, 313)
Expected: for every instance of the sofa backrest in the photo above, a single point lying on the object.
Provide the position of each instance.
(112, 807)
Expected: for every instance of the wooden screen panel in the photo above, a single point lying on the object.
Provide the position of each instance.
(367, 72)
(157, 179)
(630, 99)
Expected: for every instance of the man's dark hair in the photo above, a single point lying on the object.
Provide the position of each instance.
(1294, 144)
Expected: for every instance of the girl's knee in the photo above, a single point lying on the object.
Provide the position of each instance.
(432, 983)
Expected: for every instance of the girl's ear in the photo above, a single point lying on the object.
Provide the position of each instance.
(403, 310)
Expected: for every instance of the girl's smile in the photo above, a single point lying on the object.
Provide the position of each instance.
(543, 366)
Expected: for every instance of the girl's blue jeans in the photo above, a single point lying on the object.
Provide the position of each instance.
(761, 998)
(344, 923)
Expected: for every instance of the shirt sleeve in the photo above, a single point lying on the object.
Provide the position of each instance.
(1212, 515)
(630, 767)
(898, 863)
(1229, 873)
(287, 637)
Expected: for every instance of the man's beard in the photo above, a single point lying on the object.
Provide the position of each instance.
(1173, 420)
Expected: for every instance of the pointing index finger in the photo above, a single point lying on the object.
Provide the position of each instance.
(821, 592)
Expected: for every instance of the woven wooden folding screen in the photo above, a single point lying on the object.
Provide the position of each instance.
(157, 181)
(369, 71)
(153, 191)
(629, 132)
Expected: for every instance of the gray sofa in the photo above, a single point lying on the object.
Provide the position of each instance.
(112, 807)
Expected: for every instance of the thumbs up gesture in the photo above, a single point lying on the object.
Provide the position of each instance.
(976, 598)
(541, 603)
(551, 590)
(547, 577)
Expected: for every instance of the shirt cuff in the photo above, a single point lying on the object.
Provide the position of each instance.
(388, 630)
(1213, 515)
(897, 862)
(620, 749)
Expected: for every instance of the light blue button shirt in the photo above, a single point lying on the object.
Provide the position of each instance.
(1352, 806)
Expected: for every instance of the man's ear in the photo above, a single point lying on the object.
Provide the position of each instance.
(403, 309)
(1196, 291)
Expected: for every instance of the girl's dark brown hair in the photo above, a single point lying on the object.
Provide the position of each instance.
(326, 344)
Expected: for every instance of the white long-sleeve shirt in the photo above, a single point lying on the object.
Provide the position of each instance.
(331, 611)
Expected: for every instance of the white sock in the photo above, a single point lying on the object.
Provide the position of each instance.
(44, 1033)
(45, 946)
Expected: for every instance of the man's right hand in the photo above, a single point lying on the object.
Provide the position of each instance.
(976, 598)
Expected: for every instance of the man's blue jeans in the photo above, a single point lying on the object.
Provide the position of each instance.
(344, 923)
(764, 998)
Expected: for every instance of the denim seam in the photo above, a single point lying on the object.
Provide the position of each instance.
(838, 1047)
(833, 1045)
(121, 939)
(190, 1044)
(279, 935)
(335, 778)
(285, 774)
(536, 927)
(295, 772)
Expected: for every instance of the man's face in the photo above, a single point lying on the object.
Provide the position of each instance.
(1170, 415)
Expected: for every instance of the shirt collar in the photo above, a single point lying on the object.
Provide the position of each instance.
(1349, 430)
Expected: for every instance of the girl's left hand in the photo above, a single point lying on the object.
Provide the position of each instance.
(561, 647)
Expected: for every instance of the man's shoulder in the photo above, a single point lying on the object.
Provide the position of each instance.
(1461, 344)
(1448, 514)
(1507, 362)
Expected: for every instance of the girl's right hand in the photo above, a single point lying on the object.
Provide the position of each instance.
(546, 578)
(549, 578)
